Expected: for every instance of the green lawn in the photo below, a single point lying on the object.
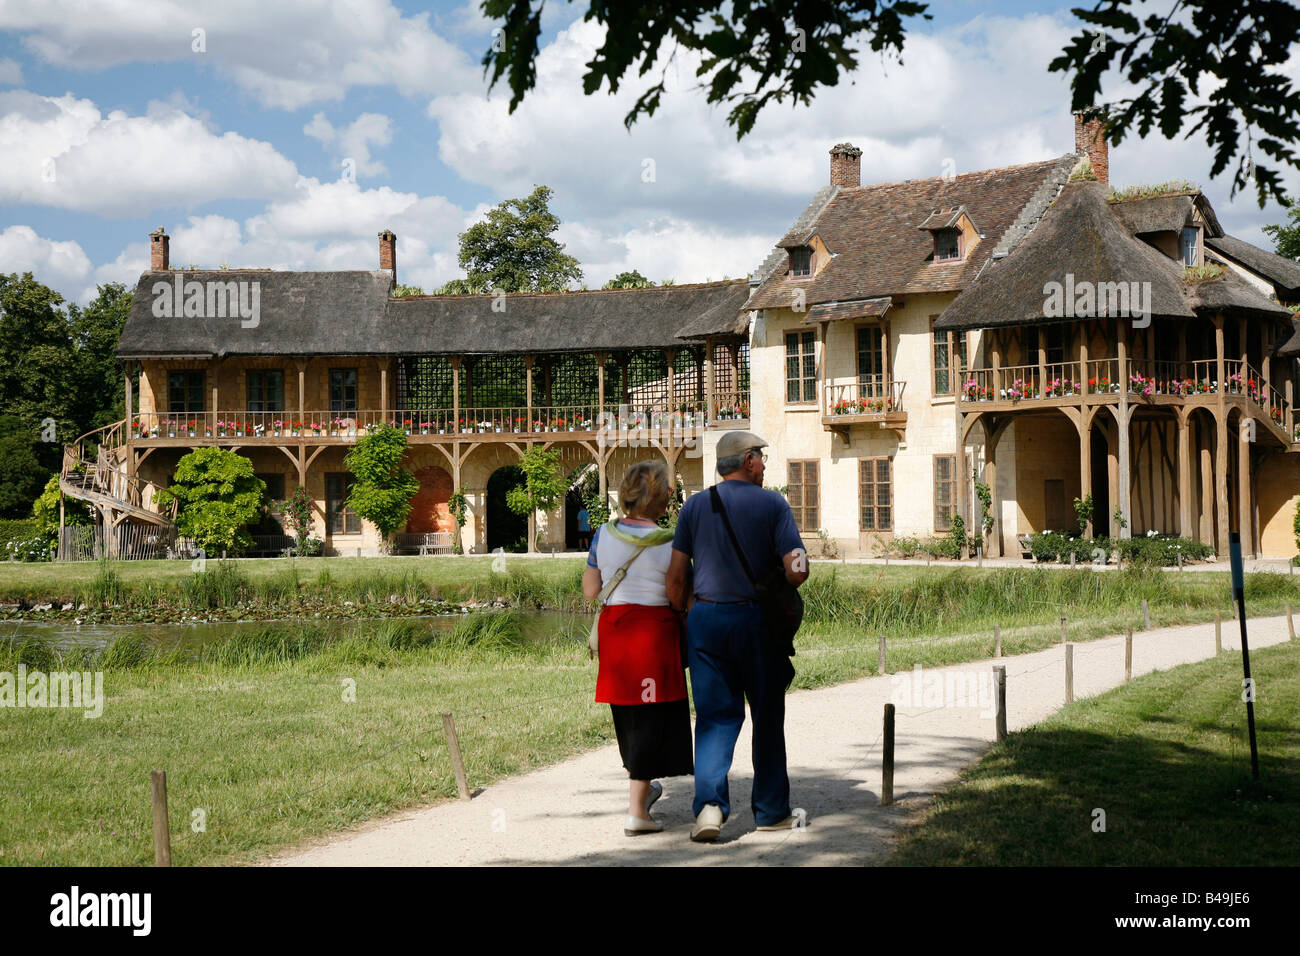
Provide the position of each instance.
(1166, 757)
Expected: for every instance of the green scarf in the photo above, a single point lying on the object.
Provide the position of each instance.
(657, 536)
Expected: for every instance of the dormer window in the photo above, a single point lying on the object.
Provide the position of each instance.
(801, 261)
(947, 244)
(1189, 246)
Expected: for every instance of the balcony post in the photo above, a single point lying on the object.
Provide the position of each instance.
(128, 425)
(1290, 414)
(455, 396)
(529, 362)
(1244, 510)
(216, 399)
(885, 368)
(710, 394)
(1124, 476)
(383, 389)
(1083, 358)
(601, 359)
(1042, 362)
(995, 351)
(1185, 472)
(671, 355)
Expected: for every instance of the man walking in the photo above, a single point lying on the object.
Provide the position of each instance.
(730, 658)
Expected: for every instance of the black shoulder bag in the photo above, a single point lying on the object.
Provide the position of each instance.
(779, 600)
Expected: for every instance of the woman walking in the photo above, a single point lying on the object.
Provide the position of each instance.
(641, 672)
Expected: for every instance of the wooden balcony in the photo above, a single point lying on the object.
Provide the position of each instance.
(873, 401)
(1141, 381)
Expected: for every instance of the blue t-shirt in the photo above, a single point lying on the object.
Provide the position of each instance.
(584, 520)
(764, 525)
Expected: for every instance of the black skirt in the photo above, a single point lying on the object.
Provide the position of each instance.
(654, 740)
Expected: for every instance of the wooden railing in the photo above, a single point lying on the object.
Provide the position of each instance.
(731, 405)
(871, 395)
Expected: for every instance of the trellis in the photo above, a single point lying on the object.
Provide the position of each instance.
(424, 381)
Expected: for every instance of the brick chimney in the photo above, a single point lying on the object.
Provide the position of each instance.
(388, 252)
(1090, 138)
(846, 166)
(159, 250)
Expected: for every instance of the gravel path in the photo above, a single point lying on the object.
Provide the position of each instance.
(572, 813)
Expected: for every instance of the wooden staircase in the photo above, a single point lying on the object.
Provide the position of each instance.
(101, 479)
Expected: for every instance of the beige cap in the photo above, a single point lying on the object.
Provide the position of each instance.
(737, 443)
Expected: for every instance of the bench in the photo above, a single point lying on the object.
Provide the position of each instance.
(423, 543)
(270, 545)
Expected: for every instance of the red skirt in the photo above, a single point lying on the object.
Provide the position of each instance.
(640, 656)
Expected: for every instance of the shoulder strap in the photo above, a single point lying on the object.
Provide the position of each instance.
(720, 508)
(616, 579)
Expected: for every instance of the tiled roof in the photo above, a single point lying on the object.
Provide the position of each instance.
(876, 248)
(861, 309)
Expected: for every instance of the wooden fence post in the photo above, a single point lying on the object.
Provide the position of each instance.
(882, 655)
(1218, 632)
(1000, 714)
(887, 768)
(1146, 615)
(997, 641)
(457, 762)
(1128, 654)
(1290, 624)
(1069, 673)
(162, 836)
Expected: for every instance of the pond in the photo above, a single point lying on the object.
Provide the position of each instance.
(538, 625)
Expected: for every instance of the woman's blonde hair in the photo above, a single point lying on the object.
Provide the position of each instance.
(645, 490)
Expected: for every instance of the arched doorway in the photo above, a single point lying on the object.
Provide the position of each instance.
(505, 529)
(429, 510)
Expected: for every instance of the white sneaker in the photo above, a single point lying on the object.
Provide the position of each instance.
(635, 826)
(798, 818)
(707, 825)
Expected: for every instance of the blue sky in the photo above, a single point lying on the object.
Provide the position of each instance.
(113, 124)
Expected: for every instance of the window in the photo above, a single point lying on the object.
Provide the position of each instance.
(1190, 241)
(875, 494)
(871, 366)
(943, 491)
(803, 495)
(185, 392)
(945, 344)
(340, 519)
(947, 244)
(801, 367)
(265, 391)
(1057, 342)
(343, 390)
(801, 261)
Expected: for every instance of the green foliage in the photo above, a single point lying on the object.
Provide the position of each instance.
(1118, 516)
(218, 496)
(747, 57)
(952, 545)
(45, 511)
(458, 506)
(1286, 236)
(543, 488)
(296, 511)
(1295, 526)
(984, 495)
(383, 490)
(1213, 69)
(597, 506)
(513, 250)
(400, 291)
(675, 502)
(22, 540)
(1083, 512)
(628, 280)
(1161, 550)
(1203, 273)
(1175, 187)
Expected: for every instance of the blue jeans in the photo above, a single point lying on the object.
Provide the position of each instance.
(728, 665)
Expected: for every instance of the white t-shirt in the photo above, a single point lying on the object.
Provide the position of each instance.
(646, 580)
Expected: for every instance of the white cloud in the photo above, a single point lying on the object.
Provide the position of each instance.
(61, 265)
(11, 74)
(63, 152)
(354, 142)
(287, 54)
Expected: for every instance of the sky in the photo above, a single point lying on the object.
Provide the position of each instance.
(288, 134)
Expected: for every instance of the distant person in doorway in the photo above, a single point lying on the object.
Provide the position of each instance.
(730, 657)
(641, 672)
(584, 529)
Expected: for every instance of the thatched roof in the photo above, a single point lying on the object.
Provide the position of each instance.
(1082, 237)
(835, 311)
(877, 249)
(351, 313)
(1156, 213)
(1291, 346)
(1284, 273)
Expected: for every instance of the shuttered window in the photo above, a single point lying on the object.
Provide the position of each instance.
(876, 494)
(342, 519)
(943, 492)
(945, 348)
(800, 367)
(804, 495)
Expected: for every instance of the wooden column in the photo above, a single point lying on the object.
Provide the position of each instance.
(1206, 524)
(1289, 418)
(671, 355)
(529, 362)
(1243, 494)
(886, 367)
(991, 479)
(1220, 369)
(455, 362)
(1185, 474)
(1085, 461)
(1221, 483)
(995, 350)
(1124, 478)
(1042, 361)
(710, 393)
(1083, 358)
(383, 388)
(601, 359)
(962, 478)
(301, 365)
(129, 426)
(216, 398)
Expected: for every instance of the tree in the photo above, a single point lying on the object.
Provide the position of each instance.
(95, 332)
(218, 496)
(1286, 236)
(512, 249)
(21, 474)
(383, 490)
(628, 280)
(543, 488)
(755, 53)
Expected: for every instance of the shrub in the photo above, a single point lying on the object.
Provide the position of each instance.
(219, 497)
(383, 490)
(906, 547)
(1162, 550)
